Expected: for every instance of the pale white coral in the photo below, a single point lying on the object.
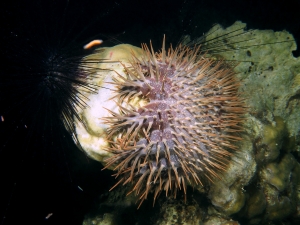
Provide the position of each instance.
(107, 64)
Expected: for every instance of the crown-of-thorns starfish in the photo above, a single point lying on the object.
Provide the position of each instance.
(185, 127)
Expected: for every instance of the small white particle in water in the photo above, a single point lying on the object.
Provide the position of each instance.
(48, 216)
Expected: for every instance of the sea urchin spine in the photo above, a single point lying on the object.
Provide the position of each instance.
(184, 127)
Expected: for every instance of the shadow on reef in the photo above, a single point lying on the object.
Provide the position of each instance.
(113, 208)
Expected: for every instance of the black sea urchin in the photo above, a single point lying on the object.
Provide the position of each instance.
(184, 130)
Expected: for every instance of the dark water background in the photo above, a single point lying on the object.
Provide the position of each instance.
(41, 170)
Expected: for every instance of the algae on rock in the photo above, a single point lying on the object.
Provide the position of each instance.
(270, 85)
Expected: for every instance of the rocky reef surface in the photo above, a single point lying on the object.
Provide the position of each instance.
(262, 182)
